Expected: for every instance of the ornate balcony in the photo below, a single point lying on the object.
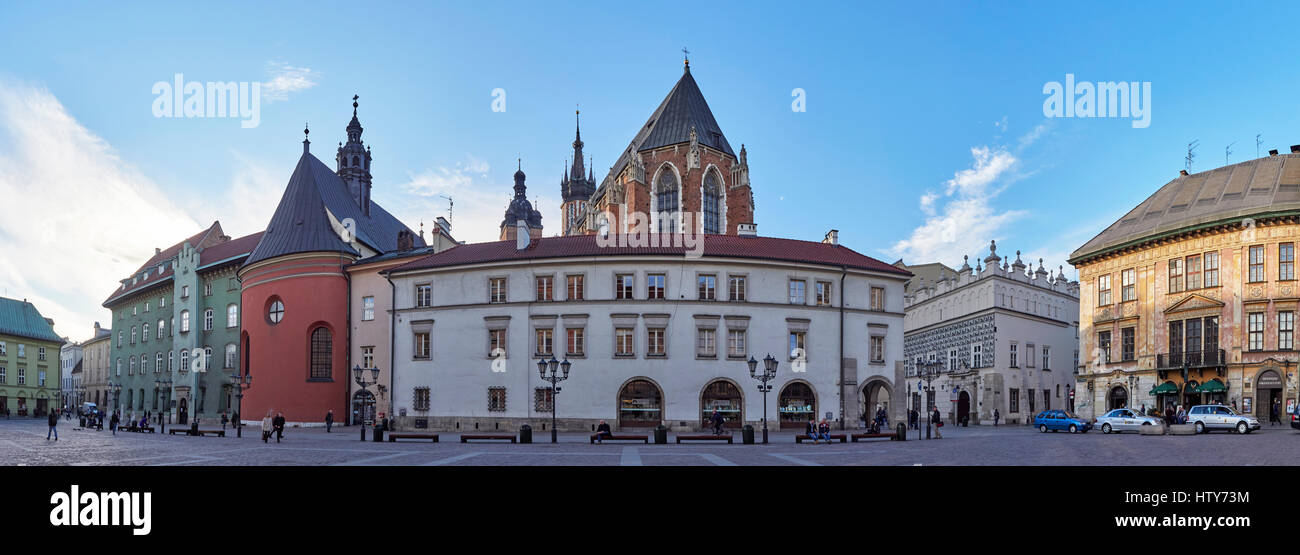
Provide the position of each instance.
(1206, 358)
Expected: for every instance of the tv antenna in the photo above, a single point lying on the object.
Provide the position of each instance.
(1257, 143)
(450, 205)
(1191, 153)
(1227, 151)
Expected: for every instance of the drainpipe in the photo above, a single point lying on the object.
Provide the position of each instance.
(843, 274)
(392, 340)
(347, 367)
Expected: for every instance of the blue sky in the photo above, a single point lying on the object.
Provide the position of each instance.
(905, 102)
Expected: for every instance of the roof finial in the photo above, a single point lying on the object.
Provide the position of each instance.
(306, 144)
(354, 105)
(686, 57)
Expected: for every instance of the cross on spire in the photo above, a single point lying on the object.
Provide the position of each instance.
(686, 56)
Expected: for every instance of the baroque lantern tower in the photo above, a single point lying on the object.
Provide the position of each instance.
(353, 163)
(520, 213)
(576, 188)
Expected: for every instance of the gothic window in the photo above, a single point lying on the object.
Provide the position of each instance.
(712, 196)
(666, 199)
(321, 352)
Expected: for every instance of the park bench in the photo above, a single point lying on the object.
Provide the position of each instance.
(394, 436)
(487, 437)
(705, 437)
(802, 437)
(187, 431)
(856, 437)
(623, 437)
(144, 430)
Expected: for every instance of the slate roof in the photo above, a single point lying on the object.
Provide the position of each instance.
(1223, 195)
(21, 319)
(671, 123)
(723, 246)
(300, 223)
(230, 251)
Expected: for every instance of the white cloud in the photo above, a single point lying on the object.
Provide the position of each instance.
(286, 79)
(1034, 134)
(480, 203)
(1001, 125)
(79, 217)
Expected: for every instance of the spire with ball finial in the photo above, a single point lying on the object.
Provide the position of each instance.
(306, 144)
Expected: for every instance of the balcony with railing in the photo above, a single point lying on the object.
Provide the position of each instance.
(1205, 358)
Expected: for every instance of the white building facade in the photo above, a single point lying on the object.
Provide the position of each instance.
(654, 336)
(70, 382)
(1003, 340)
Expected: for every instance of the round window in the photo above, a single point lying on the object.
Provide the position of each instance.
(275, 311)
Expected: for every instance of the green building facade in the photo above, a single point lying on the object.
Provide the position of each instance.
(29, 360)
(176, 325)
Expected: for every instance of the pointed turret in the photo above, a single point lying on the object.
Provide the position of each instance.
(520, 210)
(353, 162)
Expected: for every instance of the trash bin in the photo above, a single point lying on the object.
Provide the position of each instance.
(747, 435)
(525, 434)
(900, 432)
(378, 433)
(661, 435)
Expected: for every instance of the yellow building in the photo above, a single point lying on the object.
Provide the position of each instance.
(1191, 297)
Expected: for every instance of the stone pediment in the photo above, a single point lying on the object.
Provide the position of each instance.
(1194, 302)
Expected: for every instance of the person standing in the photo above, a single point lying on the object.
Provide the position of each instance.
(278, 424)
(996, 415)
(266, 427)
(112, 423)
(329, 421)
(937, 418)
(224, 420)
(54, 426)
(1274, 416)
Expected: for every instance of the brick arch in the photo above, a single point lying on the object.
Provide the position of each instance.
(722, 196)
(654, 194)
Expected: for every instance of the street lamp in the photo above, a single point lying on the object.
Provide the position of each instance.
(769, 374)
(116, 388)
(359, 375)
(554, 377)
(164, 384)
(240, 382)
(928, 371)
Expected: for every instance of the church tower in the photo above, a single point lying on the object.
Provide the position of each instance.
(520, 213)
(576, 189)
(353, 163)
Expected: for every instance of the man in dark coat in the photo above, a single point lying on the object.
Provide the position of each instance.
(54, 426)
(329, 420)
(277, 424)
(716, 420)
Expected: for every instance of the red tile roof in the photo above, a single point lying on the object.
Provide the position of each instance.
(212, 254)
(723, 246)
(230, 249)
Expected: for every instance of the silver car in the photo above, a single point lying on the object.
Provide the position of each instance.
(1220, 417)
(1124, 420)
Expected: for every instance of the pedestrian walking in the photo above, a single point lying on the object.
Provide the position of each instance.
(1274, 417)
(716, 420)
(329, 421)
(54, 427)
(224, 420)
(278, 424)
(112, 423)
(938, 423)
(996, 415)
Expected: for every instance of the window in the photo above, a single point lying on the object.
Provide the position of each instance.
(576, 287)
(146, 306)
(231, 359)
(1176, 337)
(367, 357)
(666, 201)
(497, 290)
(322, 350)
(497, 343)
(1013, 400)
(1212, 334)
(1103, 290)
(5, 351)
(170, 358)
(1211, 269)
(623, 342)
(545, 288)
(655, 288)
(543, 399)
(1128, 285)
(162, 302)
(367, 308)
(822, 290)
(545, 341)
(421, 345)
(119, 367)
(40, 353)
(274, 314)
(4, 378)
(1194, 272)
(655, 342)
(1256, 268)
(119, 339)
(158, 364)
(129, 372)
(22, 376)
(1014, 356)
(185, 323)
(712, 195)
(162, 324)
(1176, 275)
(706, 342)
(1255, 333)
(953, 360)
(207, 289)
(797, 291)
(736, 288)
(623, 286)
(232, 316)
(185, 291)
(144, 364)
(1047, 399)
(20, 351)
(421, 400)
(1047, 358)
(1286, 261)
(1285, 330)
(1127, 344)
(496, 399)
(797, 345)
(877, 348)
(736, 340)
(1029, 356)
(207, 320)
(708, 287)
(423, 295)
(575, 341)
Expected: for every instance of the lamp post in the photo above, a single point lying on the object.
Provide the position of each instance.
(240, 382)
(116, 388)
(359, 375)
(928, 371)
(768, 374)
(548, 370)
(164, 385)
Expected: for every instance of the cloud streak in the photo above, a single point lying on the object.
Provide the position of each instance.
(480, 204)
(286, 79)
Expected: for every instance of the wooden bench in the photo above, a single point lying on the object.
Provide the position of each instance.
(145, 430)
(394, 436)
(856, 437)
(487, 437)
(705, 437)
(802, 437)
(186, 431)
(624, 437)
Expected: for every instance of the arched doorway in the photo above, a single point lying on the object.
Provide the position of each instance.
(1117, 398)
(1268, 390)
(640, 405)
(363, 407)
(963, 407)
(1191, 396)
(1166, 395)
(874, 396)
(724, 397)
(796, 405)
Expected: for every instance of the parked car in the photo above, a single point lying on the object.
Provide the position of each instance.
(1295, 419)
(1220, 417)
(1125, 420)
(1056, 420)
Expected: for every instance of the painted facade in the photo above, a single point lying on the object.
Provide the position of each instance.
(29, 360)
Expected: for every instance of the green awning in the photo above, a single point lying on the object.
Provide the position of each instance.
(1212, 386)
(1165, 388)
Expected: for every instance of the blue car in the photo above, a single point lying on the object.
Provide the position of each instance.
(1057, 420)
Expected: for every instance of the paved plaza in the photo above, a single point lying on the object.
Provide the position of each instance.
(22, 442)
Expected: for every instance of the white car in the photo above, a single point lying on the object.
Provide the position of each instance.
(1220, 417)
(1125, 420)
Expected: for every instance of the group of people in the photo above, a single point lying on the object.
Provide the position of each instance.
(273, 426)
(877, 422)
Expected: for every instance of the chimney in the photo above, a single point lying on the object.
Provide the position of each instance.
(521, 235)
(1182, 172)
(1272, 152)
(747, 230)
(405, 241)
(157, 251)
(444, 225)
(1295, 149)
(832, 237)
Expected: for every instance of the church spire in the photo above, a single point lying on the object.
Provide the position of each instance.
(353, 162)
(577, 170)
